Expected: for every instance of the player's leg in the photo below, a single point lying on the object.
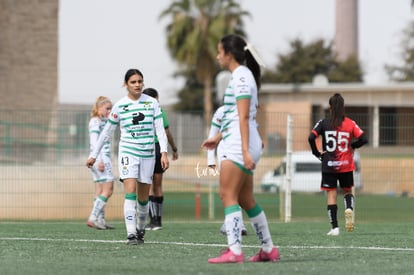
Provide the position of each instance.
(107, 191)
(346, 182)
(158, 201)
(231, 178)
(98, 203)
(332, 209)
(329, 184)
(258, 221)
(154, 192)
(146, 171)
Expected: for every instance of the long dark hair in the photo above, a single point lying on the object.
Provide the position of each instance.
(236, 45)
(132, 72)
(337, 108)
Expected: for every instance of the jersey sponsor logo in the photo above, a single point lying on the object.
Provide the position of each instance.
(337, 163)
(136, 118)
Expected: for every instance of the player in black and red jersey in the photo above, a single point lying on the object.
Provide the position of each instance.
(340, 137)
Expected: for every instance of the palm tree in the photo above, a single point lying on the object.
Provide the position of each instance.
(192, 35)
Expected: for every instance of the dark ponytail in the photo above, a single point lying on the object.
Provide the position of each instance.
(237, 46)
(337, 108)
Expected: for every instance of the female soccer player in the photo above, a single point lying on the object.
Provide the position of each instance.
(240, 151)
(338, 132)
(140, 119)
(211, 154)
(102, 169)
(156, 197)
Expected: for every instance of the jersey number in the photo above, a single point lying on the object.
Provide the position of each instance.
(337, 140)
(125, 161)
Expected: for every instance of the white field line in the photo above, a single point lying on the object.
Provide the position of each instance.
(404, 249)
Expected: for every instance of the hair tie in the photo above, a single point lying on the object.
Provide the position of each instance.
(255, 55)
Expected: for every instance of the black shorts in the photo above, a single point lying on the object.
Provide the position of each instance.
(158, 168)
(330, 180)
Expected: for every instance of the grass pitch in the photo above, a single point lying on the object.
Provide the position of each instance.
(382, 243)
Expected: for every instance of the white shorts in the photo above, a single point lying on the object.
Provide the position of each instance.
(230, 149)
(106, 175)
(135, 167)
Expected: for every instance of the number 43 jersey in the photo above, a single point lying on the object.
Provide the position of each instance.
(138, 122)
(336, 143)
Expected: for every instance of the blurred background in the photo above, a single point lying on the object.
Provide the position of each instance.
(57, 57)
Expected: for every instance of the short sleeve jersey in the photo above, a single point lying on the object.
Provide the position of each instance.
(136, 122)
(337, 145)
(96, 126)
(241, 85)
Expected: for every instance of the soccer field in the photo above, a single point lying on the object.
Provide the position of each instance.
(184, 247)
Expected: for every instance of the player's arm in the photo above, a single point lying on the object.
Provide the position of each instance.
(172, 143)
(104, 137)
(243, 107)
(362, 140)
(312, 142)
(162, 138)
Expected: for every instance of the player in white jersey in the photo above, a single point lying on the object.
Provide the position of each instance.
(139, 118)
(211, 154)
(240, 151)
(102, 169)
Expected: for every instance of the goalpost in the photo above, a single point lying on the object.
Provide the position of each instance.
(285, 196)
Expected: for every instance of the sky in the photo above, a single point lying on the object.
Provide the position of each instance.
(99, 40)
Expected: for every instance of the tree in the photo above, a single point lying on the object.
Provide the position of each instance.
(303, 62)
(404, 72)
(193, 33)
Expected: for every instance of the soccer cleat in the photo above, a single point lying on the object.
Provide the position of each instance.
(95, 224)
(261, 256)
(156, 224)
(107, 226)
(132, 239)
(104, 225)
(333, 232)
(227, 257)
(349, 220)
(156, 227)
(140, 236)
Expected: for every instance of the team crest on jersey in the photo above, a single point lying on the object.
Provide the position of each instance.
(114, 115)
(147, 105)
(125, 170)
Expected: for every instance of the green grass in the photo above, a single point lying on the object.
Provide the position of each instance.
(180, 206)
(382, 243)
(183, 248)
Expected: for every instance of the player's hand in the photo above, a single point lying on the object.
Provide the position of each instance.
(212, 142)
(164, 161)
(175, 155)
(90, 162)
(248, 161)
(321, 155)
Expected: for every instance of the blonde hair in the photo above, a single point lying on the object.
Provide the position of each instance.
(101, 100)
